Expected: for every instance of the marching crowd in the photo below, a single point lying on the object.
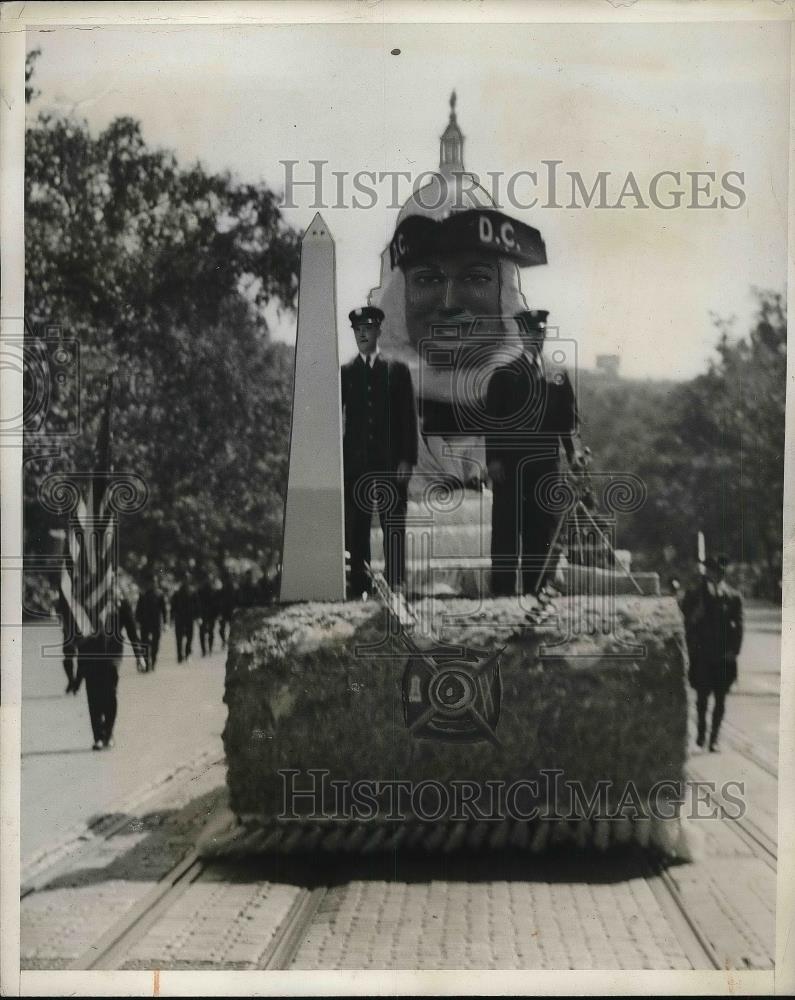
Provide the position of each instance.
(199, 599)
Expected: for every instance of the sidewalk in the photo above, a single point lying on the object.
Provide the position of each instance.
(165, 719)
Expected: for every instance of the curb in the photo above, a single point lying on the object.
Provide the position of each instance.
(46, 857)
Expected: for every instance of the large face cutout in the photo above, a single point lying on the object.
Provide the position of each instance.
(448, 291)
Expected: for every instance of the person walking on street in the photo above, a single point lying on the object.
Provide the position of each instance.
(150, 613)
(98, 661)
(248, 594)
(713, 613)
(207, 605)
(227, 601)
(267, 590)
(183, 615)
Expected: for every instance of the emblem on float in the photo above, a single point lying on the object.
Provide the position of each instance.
(452, 694)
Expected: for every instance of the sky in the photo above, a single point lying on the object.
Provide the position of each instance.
(641, 283)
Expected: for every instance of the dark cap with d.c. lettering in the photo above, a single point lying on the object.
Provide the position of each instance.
(479, 229)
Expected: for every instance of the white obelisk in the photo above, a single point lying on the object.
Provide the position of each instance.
(313, 558)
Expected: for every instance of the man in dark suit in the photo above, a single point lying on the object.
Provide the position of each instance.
(184, 612)
(379, 450)
(532, 411)
(150, 613)
(98, 660)
(207, 607)
(227, 602)
(713, 613)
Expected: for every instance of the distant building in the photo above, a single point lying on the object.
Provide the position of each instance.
(608, 365)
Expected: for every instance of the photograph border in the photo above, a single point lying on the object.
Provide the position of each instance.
(15, 18)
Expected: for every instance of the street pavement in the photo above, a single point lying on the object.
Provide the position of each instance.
(166, 718)
(573, 915)
(753, 703)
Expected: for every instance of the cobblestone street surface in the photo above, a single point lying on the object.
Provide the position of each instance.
(496, 925)
(129, 892)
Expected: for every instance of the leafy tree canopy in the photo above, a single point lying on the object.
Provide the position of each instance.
(162, 273)
(710, 450)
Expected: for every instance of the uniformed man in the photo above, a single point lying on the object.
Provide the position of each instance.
(98, 661)
(531, 411)
(227, 601)
(150, 613)
(183, 615)
(248, 594)
(379, 450)
(713, 613)
(207, 606)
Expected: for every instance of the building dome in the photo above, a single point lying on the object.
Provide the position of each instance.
(451, 189)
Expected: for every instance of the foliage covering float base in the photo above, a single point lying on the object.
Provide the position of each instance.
(320, 687)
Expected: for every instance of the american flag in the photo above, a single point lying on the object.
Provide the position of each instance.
(88, 596)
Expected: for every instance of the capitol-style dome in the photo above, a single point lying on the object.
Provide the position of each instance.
(451, 189)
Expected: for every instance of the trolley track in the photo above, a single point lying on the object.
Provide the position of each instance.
(110, 951)
(740, 743)
(752, 835)
(296, 924)
(115, 944)
(695, 943)
(749, 832)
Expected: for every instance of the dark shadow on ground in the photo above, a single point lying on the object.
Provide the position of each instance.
(554, 865)
(165, 837)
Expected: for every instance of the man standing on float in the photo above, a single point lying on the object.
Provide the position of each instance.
(532, 411)
(379, 450)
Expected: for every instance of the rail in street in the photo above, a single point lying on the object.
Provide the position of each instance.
(492, 912)
(136, 895)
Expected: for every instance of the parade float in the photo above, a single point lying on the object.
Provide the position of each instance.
(444, 718)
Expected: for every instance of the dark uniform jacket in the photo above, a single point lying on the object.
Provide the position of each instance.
(150, 612)
(380, 416)
(536, 409)
(248, 595)
(184, 607)
(227, 600)
(714, 632)
(207, 601)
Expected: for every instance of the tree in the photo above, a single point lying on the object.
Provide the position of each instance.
(710, 450)
(162, 273)
(715, 460)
